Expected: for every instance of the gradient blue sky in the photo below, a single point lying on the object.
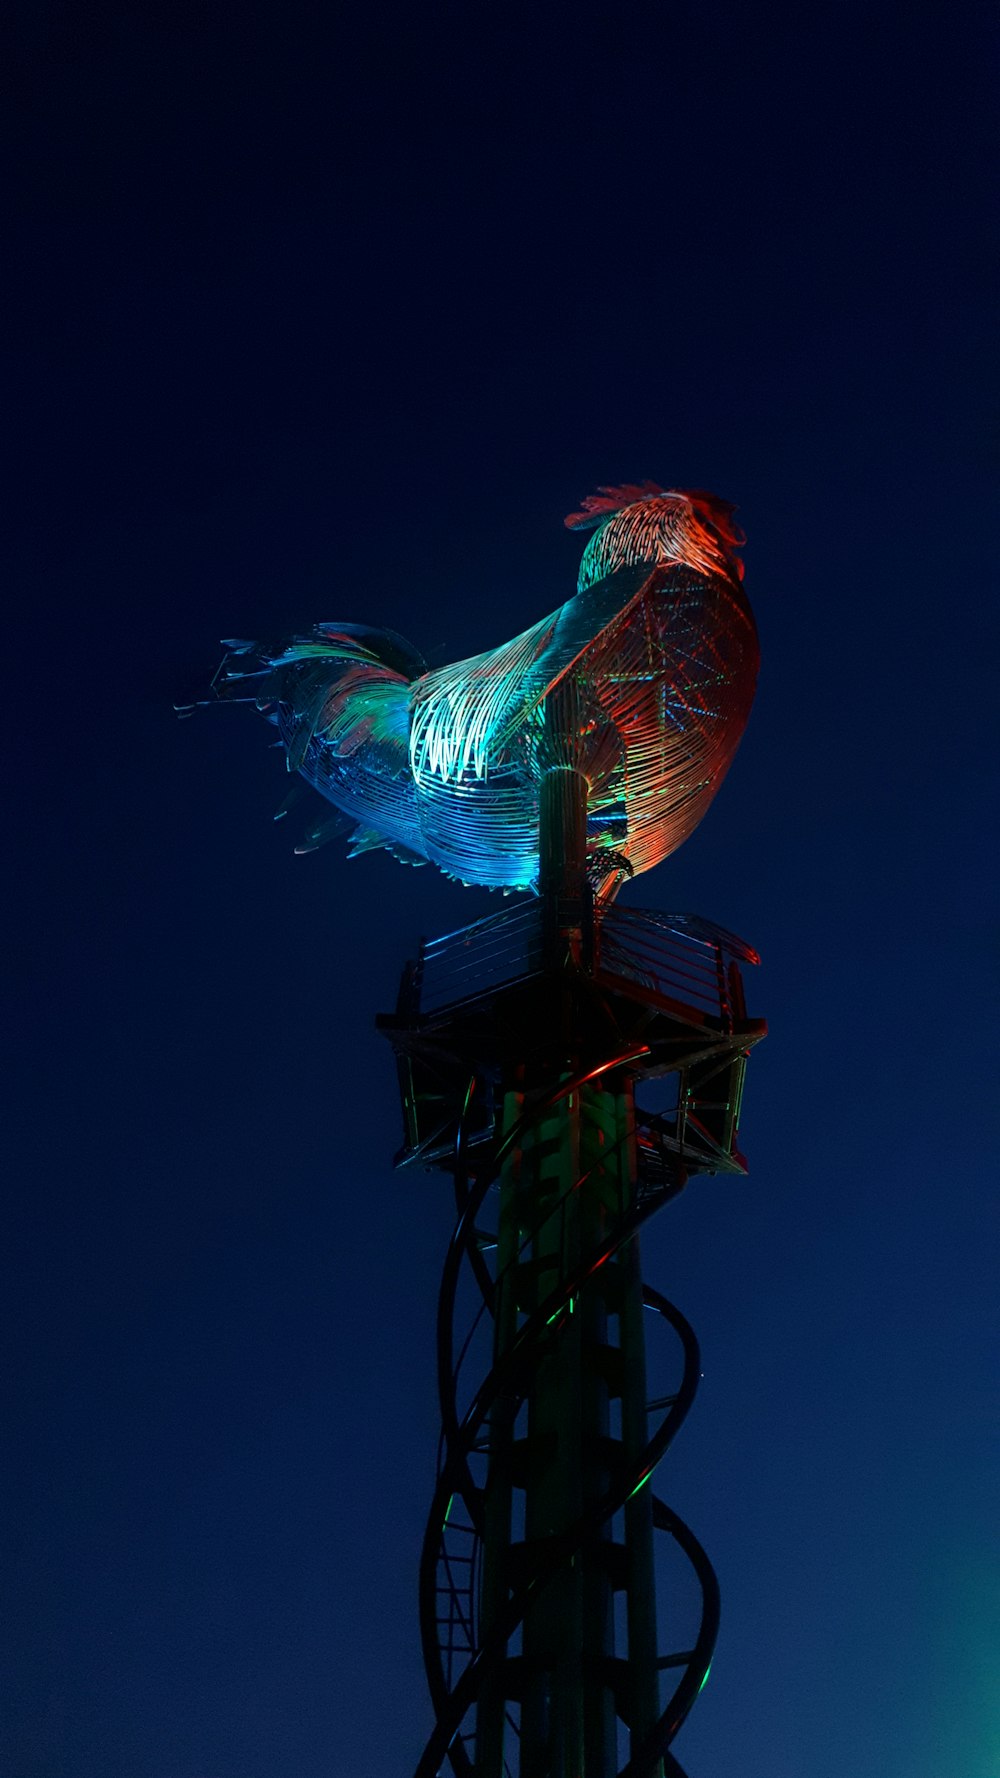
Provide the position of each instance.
(322, 314)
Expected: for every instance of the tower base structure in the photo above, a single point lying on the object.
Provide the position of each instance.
(522, 1043)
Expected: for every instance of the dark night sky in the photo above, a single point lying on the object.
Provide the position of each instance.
(311, 318)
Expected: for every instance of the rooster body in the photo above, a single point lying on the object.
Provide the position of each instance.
(643, 681)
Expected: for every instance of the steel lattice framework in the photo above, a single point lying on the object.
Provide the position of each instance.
(521, 1043)
(577, 755)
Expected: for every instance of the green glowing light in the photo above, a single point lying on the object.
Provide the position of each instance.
(704, 1682)
(570, 1306)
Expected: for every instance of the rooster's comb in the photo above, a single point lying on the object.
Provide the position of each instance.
(597, 507)
(600, 506)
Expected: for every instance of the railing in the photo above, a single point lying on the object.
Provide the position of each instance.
(678, 957)
(465, 965)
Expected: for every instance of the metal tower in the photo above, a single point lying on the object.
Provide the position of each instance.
(521, 1041)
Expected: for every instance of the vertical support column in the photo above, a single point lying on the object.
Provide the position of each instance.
(600, 1196)
(562, 863)
(491, 1711)
(643, 1699)
(561, 1194)
(552, 1712)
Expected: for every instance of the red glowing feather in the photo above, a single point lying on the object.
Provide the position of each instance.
(600, 506)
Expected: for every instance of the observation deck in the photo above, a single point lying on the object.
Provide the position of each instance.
(486, 1000)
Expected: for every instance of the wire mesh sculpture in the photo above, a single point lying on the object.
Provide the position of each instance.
(643, 681)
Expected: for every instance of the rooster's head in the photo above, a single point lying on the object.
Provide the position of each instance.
(642, 522)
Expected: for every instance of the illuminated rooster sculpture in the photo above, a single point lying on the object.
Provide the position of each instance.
(582, 752)
(643, 681)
